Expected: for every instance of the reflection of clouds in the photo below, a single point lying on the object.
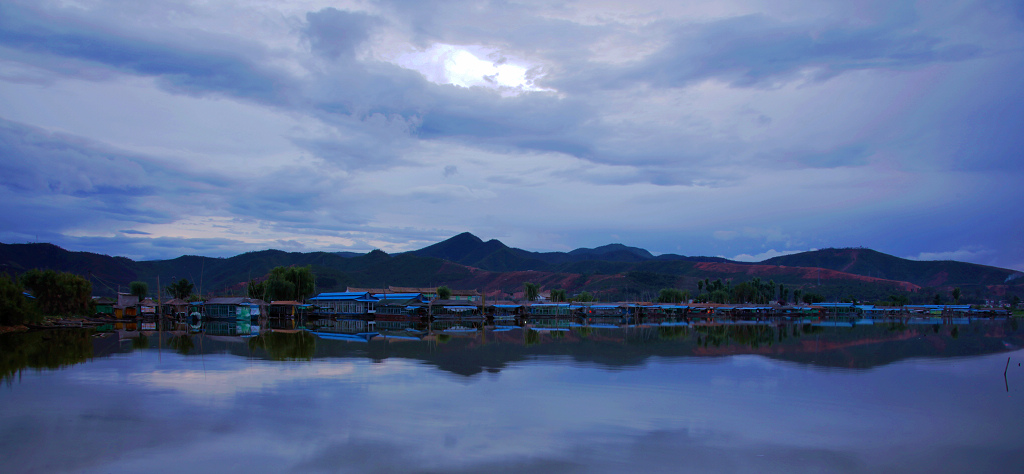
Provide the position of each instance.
(254, 378)
(543, 415)
(964, 367)
(218, 375)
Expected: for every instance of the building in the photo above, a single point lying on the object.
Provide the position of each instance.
(234, 315)
(344, 304)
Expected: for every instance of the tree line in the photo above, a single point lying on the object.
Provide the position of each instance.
(52, 294)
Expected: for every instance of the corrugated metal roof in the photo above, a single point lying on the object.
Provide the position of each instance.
(344, 296)
(398, 296)
(343, 293)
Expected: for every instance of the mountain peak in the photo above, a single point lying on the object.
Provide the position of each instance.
(453, 249)
(465, 237)
(616, 248)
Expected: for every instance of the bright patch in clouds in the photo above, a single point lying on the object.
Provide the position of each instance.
(772, 253)
(963, 255)
(463, 66)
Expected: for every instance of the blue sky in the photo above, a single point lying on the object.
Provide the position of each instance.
(744, 129)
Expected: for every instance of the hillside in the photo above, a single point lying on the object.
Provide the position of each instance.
(871, 263)
(612, 272)
(18, 258)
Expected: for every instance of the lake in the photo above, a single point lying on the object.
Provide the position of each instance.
(889, 397)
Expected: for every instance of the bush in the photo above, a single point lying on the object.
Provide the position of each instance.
(15, 307)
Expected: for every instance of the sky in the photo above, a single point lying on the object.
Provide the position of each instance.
(743, 129)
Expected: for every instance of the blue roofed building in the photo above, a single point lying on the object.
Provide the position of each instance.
(346, 303)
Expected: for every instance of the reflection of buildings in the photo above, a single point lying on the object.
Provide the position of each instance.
(234, 315)
(287, 314)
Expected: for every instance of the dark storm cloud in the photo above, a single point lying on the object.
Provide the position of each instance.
(178, 67)
(757, 51)
(474, 22)
(719, 120)
(44, 169)
(61, 182)
(336, 34)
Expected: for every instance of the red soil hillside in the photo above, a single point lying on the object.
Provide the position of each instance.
(806, 273)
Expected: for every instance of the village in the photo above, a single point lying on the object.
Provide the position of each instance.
(403, 310)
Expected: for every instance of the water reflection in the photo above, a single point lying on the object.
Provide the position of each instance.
(43, 350)
(847, 346)
(285, 346)
(182, 343)
(766, 399)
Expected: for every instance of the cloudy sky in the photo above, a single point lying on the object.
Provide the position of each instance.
(744, 129)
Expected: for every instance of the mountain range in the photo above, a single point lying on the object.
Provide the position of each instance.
(612, 272)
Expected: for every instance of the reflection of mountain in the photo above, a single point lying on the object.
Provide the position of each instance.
(861, 347)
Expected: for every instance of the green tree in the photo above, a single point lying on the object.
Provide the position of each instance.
(444, 293)
(1014, 302)
(672, 295)
(138, 288)
(15, 307)
(531, 290)
(181, 289)
(558, 295)
(937, 299)
(811, 298)
(956, 295)
(796, 295)
(720, 296)
(288, 283)
(584, 297)
(899, 300)
(256, 289)
(59, 293)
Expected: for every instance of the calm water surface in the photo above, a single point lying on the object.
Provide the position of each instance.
(744, 399)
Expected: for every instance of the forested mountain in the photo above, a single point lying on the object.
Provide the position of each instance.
(465, 261)
(872, 263)
(493, 255)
